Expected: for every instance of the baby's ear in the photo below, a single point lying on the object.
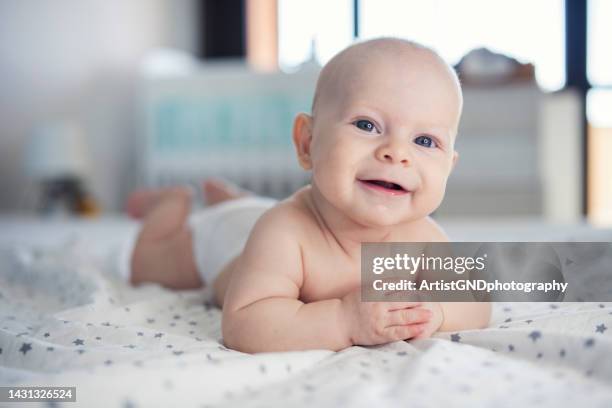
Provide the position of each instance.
(455, 158)
(302, 136)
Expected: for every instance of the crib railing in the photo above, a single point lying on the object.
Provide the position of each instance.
(230, 123)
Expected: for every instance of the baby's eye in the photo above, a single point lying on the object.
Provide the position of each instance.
(365, 125)
(425, 141)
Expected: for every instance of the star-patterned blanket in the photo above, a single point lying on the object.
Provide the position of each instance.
(67, 320)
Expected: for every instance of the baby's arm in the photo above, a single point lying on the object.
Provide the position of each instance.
(453, 316)
(262, 311)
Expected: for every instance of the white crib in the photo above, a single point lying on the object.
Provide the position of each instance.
(227, 121)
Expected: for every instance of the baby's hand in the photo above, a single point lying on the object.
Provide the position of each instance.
(371, 323)
(436, 320)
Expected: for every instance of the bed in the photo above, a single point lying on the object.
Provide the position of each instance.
(68, 319)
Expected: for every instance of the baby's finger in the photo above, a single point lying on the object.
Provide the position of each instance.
(402, 305)
(422, 335)
(395, 333)
(408, 316)
(402, 296)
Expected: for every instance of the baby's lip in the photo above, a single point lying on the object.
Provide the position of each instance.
(385, 184)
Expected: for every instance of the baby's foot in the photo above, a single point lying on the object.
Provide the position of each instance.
(217, 191)
(140, 202)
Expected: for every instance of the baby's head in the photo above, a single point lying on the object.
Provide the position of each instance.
(380, 140)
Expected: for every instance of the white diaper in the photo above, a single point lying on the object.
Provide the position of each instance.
(219, 234)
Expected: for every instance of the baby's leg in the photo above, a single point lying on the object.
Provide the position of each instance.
(164, 249)
(217, 191)
(141, 202)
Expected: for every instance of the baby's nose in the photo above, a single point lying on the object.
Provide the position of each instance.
(390, 159)
(394, 153)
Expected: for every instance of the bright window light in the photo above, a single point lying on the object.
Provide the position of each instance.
(599, 57)
(599, 107)
(326, 25)
(530, 31)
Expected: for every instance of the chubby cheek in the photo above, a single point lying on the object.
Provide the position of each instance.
(431, 197)
(334, 167)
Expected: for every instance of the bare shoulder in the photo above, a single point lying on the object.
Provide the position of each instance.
(288, 218)
(277, 239)
(270, 264)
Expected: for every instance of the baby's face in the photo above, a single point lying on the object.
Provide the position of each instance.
(383, 142)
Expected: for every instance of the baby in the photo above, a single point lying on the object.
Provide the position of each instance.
(380, 145)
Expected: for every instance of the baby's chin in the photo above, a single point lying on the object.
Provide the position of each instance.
(384, 217)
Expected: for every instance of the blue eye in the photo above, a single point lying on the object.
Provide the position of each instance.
(365, 125)
(425, 141)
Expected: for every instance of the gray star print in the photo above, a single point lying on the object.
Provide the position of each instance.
(25, 347)
(455, 337)
(535, 335)
(601, 328)
(78, 342)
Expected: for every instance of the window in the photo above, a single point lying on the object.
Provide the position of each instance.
(326, 26)
(530, 31)
(599, 56)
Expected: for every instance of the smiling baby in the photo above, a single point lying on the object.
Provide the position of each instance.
(380, 145)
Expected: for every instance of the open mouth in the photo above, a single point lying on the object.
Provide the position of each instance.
(385, 186)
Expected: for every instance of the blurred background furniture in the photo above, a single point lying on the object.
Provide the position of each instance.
(224, 120)
(228, 121)
(512, 141)
(535, 143)
(59, 163)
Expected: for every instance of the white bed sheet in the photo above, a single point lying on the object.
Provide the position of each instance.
(67, 320)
